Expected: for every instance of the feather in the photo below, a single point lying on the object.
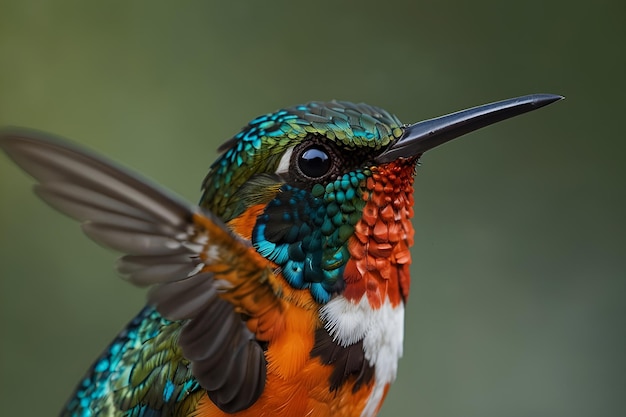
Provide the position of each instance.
(184, 252)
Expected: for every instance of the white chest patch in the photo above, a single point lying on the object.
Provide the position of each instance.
(382, 332)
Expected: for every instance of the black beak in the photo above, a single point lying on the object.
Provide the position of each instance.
(422, 136)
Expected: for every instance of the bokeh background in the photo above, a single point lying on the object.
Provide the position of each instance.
(519, 279)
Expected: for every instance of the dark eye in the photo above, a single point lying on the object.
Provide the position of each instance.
(314, 162)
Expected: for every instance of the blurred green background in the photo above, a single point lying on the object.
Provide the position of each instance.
(519, 282)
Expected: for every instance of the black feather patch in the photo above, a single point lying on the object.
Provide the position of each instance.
(347, 361)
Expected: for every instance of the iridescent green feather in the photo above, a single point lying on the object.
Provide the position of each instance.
(142, 373)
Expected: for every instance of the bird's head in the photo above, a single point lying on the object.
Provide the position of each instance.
(324, 190)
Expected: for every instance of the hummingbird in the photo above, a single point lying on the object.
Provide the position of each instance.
(282, 293)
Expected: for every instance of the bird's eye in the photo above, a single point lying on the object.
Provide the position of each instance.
(314, 162)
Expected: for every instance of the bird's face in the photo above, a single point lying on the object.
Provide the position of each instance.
(324, 191)
(308, 182)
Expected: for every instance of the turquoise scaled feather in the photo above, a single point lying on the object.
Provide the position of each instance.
(141, 373)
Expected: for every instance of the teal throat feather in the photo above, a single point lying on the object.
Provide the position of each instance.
(306, 233)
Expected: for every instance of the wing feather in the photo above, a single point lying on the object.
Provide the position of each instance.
(200, 272)
(186, 298)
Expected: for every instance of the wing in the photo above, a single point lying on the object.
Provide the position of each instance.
(200, 272)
